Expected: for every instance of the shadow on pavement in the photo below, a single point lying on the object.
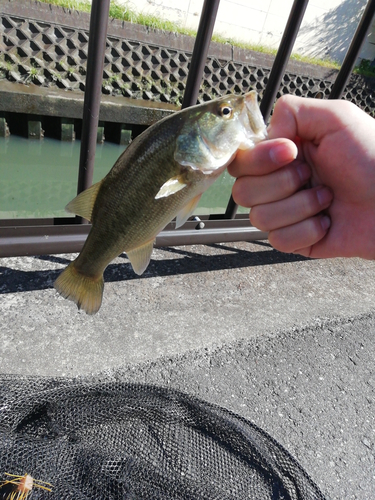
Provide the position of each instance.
(14, 280)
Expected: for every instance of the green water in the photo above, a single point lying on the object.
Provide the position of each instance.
(38, 178)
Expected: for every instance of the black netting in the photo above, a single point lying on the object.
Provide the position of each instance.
(113, 440)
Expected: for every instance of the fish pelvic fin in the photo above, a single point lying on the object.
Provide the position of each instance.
(140, 257)
(187, 211)
(83, 204)
(85, 291)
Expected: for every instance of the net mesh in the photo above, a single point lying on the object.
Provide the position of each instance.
(115, 440)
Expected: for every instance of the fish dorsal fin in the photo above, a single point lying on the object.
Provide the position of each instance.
(83, 204)
(172, 186)
(187, 211)
(140, 257)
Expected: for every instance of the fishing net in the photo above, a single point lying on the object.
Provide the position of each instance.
(114, 440)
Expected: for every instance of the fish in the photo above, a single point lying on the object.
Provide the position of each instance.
(160, 175)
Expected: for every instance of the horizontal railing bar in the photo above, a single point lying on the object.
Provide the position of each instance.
(211, 219)
(36, 240)
(207, 236)
(66, 221)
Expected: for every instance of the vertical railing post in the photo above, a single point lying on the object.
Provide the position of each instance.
(353, 51)
(199, 56)
(278, 69)
(93, 91)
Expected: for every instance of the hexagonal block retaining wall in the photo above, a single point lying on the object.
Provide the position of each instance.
(47, 46)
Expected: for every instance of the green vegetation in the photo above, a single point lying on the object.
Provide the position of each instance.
(365, 68)
(326, 63)
(56, 77)
(5, 67)
(33, 72)
(82, 5)
(125, 13)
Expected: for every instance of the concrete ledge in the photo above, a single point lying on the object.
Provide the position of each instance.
(19, 98)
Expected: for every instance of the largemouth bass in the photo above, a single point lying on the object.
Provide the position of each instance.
(162, 174)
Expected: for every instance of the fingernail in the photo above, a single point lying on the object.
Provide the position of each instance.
(325, 222)
(324, 195)
(282, 154)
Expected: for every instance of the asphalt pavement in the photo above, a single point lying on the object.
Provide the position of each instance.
(285, 341)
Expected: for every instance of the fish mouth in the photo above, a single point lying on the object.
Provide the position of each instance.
(255, 122)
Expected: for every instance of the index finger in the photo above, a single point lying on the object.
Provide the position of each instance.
(264, 158)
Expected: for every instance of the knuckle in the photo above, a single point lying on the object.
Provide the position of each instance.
(290, 181)
(234, 168)
(240, 193)
(297, 237)
(317, 231)
(236, 191)
(284, 100)
(259, 219)
(278, 242)
(310, 202)
(348, 106)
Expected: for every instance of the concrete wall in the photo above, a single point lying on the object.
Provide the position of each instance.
(326, 31)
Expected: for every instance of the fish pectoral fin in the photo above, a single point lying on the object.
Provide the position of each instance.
(83, 204)
(187, 211)
(172, 186)
(140, 257)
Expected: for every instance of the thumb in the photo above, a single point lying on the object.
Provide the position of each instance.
(306, 118)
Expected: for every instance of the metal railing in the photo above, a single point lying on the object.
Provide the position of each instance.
(64, 235)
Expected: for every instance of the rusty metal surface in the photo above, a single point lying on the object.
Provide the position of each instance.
(91, 105)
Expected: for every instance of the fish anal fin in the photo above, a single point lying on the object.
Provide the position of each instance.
(83, 204)
(187, 211)
(140, 257)
(172, 186)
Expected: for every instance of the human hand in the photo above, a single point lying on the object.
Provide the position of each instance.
(312, 185)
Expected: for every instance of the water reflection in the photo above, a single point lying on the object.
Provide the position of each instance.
(38, 178)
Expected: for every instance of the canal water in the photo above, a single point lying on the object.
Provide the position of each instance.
(38, 178)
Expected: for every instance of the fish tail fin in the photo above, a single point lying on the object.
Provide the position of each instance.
(85, 291)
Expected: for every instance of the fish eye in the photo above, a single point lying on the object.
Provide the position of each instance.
(225, 111)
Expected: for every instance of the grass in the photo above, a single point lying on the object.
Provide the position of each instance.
(125, 13)
(32, 74)
(81, 5)
(365, 68)
(326, 63)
